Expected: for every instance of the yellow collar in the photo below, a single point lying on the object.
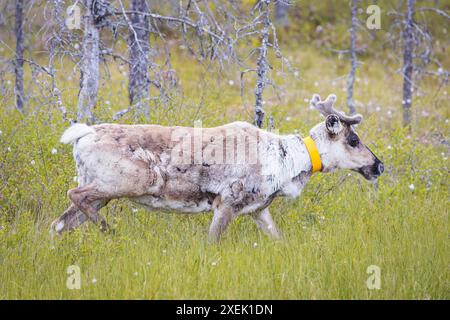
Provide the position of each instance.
(313, 154)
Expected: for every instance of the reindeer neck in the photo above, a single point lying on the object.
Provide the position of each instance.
(294, 157)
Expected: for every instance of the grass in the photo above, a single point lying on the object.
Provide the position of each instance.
(333, 232)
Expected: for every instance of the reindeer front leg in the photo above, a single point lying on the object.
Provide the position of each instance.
(265, 222)
(223, 215)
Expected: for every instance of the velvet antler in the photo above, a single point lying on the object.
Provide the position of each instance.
(326, 108)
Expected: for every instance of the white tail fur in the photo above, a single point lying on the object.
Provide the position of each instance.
(75, 132)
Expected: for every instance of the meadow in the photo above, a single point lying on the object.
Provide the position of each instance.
(339, 227)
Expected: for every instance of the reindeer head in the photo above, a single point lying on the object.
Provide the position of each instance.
(338, 144)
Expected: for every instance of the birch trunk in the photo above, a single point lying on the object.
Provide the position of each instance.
(90, 75)
(408, 42)
(353, 58)
(138, 86)
(18, 63)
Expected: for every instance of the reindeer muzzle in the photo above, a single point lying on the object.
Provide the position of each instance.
(373, 171)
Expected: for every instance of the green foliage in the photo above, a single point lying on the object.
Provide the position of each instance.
(338, 227)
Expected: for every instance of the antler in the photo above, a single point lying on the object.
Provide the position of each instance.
(326, 108)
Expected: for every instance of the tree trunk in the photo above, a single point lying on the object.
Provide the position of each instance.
(18, 63)
(262, 65)
(281, 13)
(90, 75)
(353, 59)
(408, 43)
(138, 86)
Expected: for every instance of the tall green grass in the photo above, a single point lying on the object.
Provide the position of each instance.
(339, 226)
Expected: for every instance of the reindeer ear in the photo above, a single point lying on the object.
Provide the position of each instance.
(333, 124)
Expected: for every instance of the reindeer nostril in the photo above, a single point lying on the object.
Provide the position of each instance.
(380, 168)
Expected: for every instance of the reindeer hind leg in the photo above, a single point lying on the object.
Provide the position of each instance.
(89, 200)
(73, 217)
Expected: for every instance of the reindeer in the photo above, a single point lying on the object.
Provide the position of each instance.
(198, 170)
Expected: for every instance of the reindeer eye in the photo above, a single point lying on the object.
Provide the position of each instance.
(353, 140)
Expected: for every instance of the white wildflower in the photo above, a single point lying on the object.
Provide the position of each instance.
(231, 82)
(54, 151)
(411, 187)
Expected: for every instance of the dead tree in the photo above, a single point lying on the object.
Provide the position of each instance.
(262, 63)
(262, 27)
(407, 70)
(208, 34)
(18, 62)
(282, 13)
(139, 48)
(90, 73)
(353, 58)
(417, 52)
